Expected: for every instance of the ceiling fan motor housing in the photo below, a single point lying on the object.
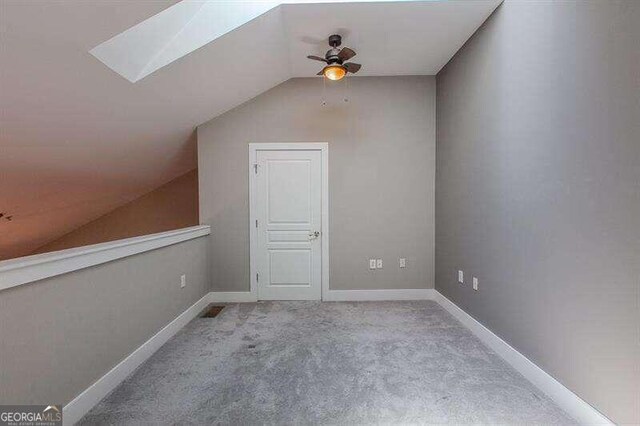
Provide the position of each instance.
(332, 56)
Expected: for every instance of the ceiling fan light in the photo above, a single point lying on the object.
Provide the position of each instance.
(334, 72)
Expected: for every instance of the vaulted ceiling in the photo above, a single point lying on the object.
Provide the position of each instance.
(78, 139)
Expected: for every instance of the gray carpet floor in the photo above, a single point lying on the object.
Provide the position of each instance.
(326, 363)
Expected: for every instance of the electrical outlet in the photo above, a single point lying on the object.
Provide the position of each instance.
(183, 281)
(379, 264)
(372, 264)
(403, 262)
(461, 277)
(475, 283)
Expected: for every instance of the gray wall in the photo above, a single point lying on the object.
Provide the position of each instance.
(538, 190)
(381, 176)
(61, 334)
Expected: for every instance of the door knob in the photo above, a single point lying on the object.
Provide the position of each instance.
(314, 235)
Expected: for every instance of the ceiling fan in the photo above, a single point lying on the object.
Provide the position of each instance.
(335, 57)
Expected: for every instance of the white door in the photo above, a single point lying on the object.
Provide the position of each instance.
(288, 210)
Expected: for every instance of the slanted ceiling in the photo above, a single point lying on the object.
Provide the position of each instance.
(414, 27)
(78, 140)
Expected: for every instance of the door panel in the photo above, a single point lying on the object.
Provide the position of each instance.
(289, 189)
(290, 267)
(288, 210)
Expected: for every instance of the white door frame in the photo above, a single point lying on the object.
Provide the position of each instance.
(323, 147)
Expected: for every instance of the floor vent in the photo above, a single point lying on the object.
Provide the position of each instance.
(212, 311)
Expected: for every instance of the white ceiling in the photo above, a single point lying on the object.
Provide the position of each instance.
(404, 38)
(78, 139)
(401, 32)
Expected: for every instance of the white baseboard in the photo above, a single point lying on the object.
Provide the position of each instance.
(567, 400)
(73, 411)
(232, 296)
(336, 295)
(373, 295)
(571, 403)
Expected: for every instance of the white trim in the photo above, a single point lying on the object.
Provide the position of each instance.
(575, 406)
(27, 269)
(371, 295)
(232, 296)
(323, 147)
(253, 236)
(565, 398)
(73, 411)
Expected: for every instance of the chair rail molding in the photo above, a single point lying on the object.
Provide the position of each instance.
(23, 270)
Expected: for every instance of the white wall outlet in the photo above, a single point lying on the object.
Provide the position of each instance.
(183, 281)
(379, 264)
(403, 262)
(372, 264)
(475, 283)
(461, 277)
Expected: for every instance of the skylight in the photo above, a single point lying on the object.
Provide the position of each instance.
(179, 30)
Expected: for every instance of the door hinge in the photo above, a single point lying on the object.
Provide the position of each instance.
(256, 223)
(257, 277)
(255, 168)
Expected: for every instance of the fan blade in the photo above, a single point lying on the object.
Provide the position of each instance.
(317, 58)
(352, 67)
(346, 54)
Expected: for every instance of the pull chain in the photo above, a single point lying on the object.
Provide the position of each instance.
(346, 89)
(324, 89)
